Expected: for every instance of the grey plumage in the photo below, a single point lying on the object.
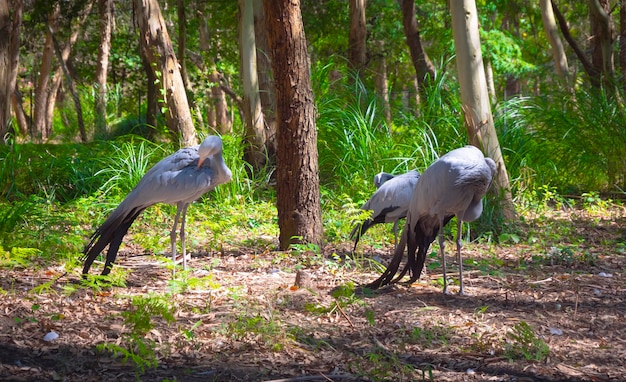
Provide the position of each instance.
(381, 178)
(452, 186)
(178, 179)
(389, 203)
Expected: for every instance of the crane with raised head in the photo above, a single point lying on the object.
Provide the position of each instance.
(388, 204)
(453, 185)
(178, 179)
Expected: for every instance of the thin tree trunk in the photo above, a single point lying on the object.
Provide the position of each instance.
(592, 72)
(152, 101)
(266, 81)
(602, 39)
(217, 109)
(491, 87)
(622, 42)
(55, 84)
(102, 67)
(474, 95)
(157, 45)
(552, 32)
(39, 131)
(424, 68)
(382, 86)
(10, 24)
(223, 120)
(298, 193)
(182, 47)
(23, 121)
(254, 152)
(70, 85)
(182, 40)
(357, 48)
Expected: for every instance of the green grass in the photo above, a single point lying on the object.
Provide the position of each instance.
(573, 142)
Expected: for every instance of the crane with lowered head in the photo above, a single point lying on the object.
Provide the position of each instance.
(389, 204)
(178, 179)
(453, 185)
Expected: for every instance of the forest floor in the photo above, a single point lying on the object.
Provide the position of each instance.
(534, 311)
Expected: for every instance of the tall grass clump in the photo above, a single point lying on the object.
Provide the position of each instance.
(53, 172)
(128, 161)
(575, 142)
(355, 142)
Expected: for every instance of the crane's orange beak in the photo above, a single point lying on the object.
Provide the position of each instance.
(200, 161)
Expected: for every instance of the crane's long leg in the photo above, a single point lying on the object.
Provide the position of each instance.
(179, 208)
(443, 255)
(183, 236)
(395, 233)
(458, 254)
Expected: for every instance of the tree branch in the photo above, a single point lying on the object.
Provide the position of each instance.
(589, 69)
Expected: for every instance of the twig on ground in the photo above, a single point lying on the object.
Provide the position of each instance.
(345, 315)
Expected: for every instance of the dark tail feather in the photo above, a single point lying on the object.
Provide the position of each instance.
(422, 241)
(111, 233)
(392, 268)
(359, 230)
(417, 241)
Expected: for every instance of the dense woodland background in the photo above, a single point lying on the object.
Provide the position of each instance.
(556, 96)
(93, 93)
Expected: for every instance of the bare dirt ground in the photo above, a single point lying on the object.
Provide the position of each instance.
(250, 323)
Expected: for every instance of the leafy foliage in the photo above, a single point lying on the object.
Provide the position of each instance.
(524, 343)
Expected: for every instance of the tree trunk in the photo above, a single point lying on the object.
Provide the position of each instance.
(551, 29)
(182, 40)
(223, 120)
(592, 72)
(182, 47)
(102, 67)
(622, 42)
(55, 85)
(474, 95)
(23, 121)
(357, 48)
(382, 86)
(266, 81)
(152, 100)
(40, 131)
(217, 110)
(602, 39)
(10, 24)
(157, 46)
(491, 86)
(254, 152)
(62, 58)
(423, 66)
(298, 194)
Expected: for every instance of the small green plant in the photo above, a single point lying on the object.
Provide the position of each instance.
(263, 330)
(189, 333)
(379, 364)
(593, 202)
(18, 257)
(141, 351)
(344, 296)
(182, 282)
(97, 282)
(524, 343)
(430, 335)
(565, 255)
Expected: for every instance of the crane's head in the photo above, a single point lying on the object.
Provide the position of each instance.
(210, 146)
